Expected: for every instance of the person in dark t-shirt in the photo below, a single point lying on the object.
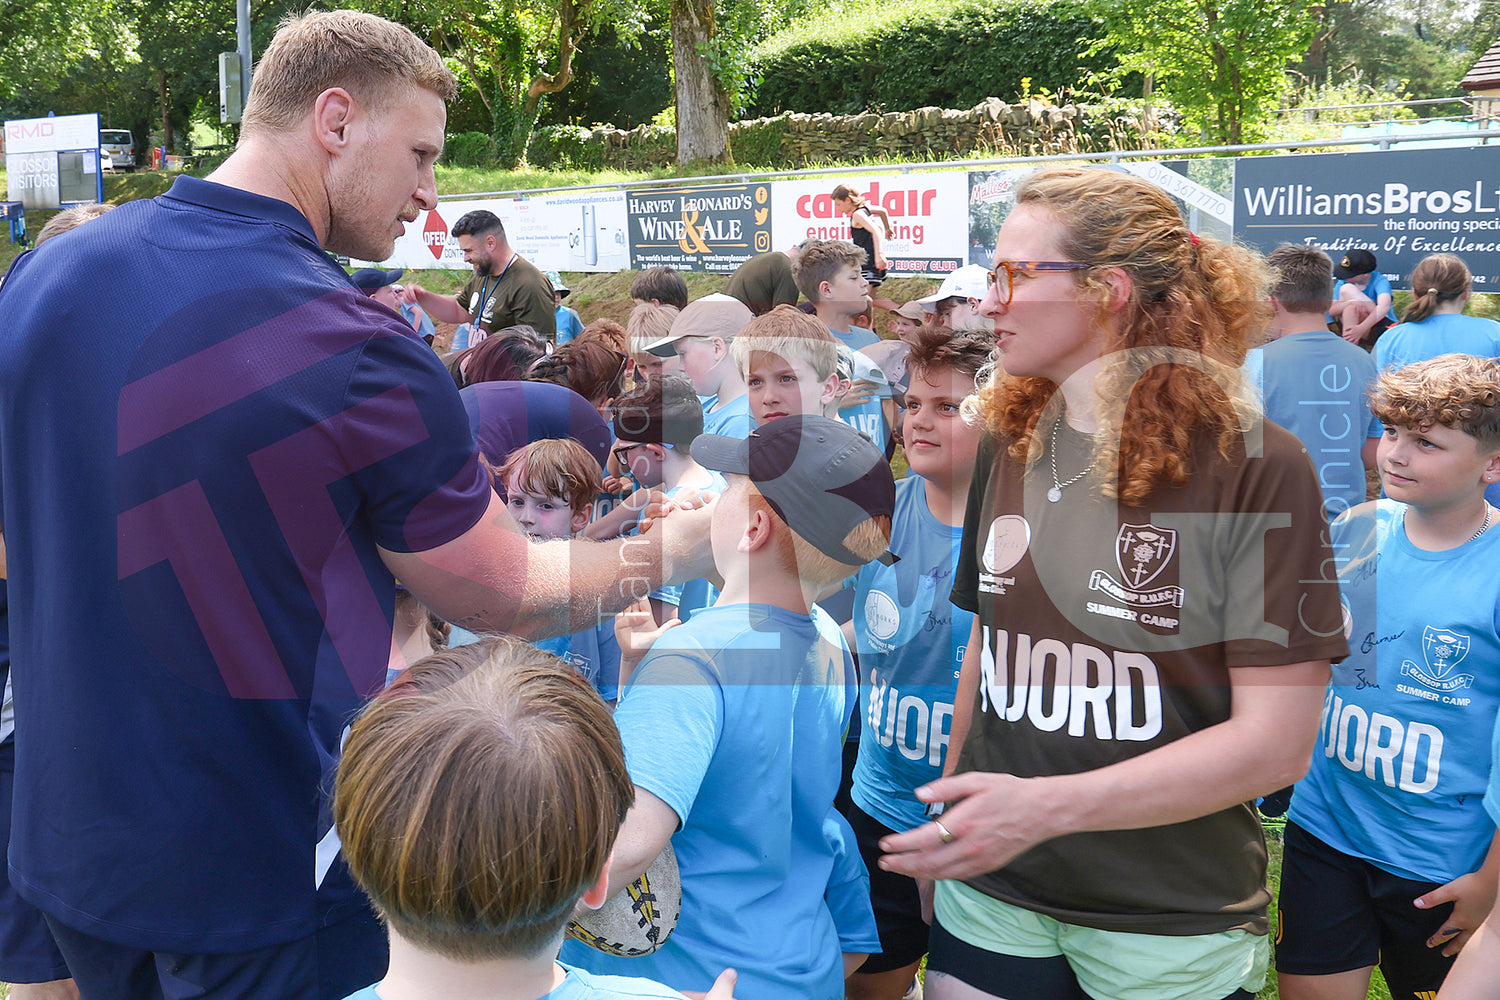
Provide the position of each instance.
(1153, 627)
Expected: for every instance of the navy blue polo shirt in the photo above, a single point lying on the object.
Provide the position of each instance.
(205, 433)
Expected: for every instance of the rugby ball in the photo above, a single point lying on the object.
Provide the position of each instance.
(639, 919)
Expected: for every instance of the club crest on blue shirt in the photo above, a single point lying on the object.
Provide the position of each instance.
(1443, 649)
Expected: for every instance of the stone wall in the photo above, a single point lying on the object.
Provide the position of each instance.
(793, 140)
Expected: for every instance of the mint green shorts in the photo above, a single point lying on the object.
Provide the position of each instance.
(1110, 965)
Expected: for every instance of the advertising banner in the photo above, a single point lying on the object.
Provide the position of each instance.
(568, 232)
(714, 228)
(1399, 205)
(926, 209)
(39, 135)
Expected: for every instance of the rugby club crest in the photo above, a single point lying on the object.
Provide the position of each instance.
(1142, 552)
(1443, 649)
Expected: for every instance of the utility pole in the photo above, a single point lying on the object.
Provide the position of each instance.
(242, 32)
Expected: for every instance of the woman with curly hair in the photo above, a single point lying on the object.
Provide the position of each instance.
(1154, 618)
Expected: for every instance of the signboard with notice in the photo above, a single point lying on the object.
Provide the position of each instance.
(714, 228)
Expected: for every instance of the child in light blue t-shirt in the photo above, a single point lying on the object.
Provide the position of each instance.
(733, 730)
(550, 487)
(655, 426)
(476, 856)
(911, 640)
(1391, 858)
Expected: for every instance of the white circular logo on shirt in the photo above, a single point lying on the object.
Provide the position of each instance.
(1009, 537)
(1348, 619)
(882, 617)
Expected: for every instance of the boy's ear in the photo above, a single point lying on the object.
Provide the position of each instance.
(830, 390)
(760, 528)
(581, 519)
(824, 290)
(594, 896)
(1492, 468)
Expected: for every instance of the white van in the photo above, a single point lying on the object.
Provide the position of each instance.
(118, 145)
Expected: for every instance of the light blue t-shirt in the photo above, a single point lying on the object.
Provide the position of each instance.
(856, 337)
(741, 737)
(581, 985)
(731, 420)
(1403, 756)
(569, 325)
(910, 640)
(1379, 285)
(1442, 334)
(1492, 793)
(868, 417)
(848, 892)
(1317, 385)
(594, 653)
(695, 594)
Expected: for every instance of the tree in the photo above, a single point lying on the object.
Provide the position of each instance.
(1417, 48)
(1222, 63)
(711, 45)
(44, 39)
(506, 47)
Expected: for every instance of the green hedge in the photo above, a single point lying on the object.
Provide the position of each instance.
(469, 149)
(565, 147)
(899, 56)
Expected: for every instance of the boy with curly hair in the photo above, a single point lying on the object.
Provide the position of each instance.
(1404, 746)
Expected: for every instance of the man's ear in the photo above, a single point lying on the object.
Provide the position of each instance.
(333, 112)
(1276, 307)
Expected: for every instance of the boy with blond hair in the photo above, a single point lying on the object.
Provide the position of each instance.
(648, 323)
(787, 359)
(475, 851)
(756, 692)
(1391, 857)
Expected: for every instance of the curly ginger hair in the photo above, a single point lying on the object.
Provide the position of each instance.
(1171, 351)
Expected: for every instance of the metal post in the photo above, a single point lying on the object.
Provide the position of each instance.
(242, 33)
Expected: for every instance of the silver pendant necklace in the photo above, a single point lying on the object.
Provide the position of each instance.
(1055, 493)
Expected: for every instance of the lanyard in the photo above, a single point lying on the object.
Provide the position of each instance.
(484, 290)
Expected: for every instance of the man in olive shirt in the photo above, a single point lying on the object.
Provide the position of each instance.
(506, 289)
(765, 281)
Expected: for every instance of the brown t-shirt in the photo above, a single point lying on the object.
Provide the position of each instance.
(1109, 631)
(521, 294)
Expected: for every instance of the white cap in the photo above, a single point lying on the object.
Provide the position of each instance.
(970, 282)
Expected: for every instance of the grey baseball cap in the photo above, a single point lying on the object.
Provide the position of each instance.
(821, 476)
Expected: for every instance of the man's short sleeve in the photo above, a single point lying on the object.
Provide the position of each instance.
(405, 437)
